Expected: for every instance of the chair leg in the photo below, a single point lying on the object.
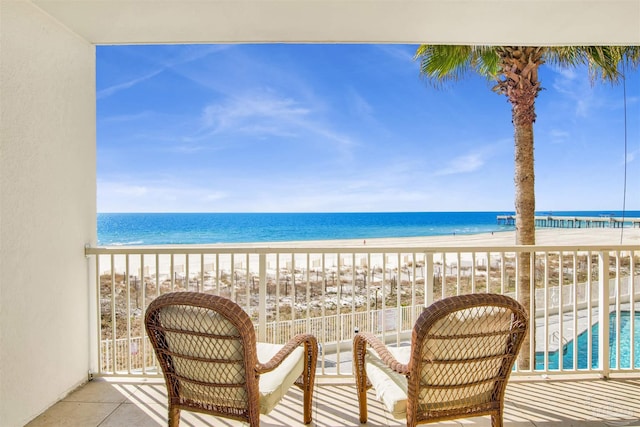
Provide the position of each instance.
(362, 403)
(309, 375)
(361, 377)
(174, 416)
(496, 420)
(254, 421)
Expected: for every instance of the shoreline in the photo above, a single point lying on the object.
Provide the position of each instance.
(544, 237)
(600, 237)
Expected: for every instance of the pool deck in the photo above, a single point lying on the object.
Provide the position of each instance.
(529, 402)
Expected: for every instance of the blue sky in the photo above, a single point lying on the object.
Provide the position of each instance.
(345, 128)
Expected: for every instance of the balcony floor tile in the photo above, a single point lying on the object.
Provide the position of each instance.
(111, 402)
(72, 414)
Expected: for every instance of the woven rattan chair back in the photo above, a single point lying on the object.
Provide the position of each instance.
(206, 347)
(463, 349)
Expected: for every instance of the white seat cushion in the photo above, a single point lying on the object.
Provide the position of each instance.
(274, 384)
(391, 387)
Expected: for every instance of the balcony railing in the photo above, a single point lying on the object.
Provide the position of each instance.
(583, 313)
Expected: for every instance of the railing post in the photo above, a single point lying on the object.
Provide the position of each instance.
(93, 278)
(532, 310)
(428, 280)
(603, 313)
(114, 334)
(262, 298)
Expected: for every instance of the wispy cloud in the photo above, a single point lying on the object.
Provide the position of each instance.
(558, 136)
(119, 189)
(157, 195)
(402, 53)
(193, 53)
(244, 112)
(269, 113)
(576, 87)
(467, 163)
(185, 56)
(236, 69)
(121, 118)
(359, 105)
(214, 196)
(631, 156)
(585, 97)
(632, 100)
(128, 84)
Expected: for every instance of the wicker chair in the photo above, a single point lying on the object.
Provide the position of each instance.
(462, 351)
(206, 346)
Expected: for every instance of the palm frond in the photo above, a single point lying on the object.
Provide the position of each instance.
(565, 56)
(441, 64)
(604, 62)
(488, 62)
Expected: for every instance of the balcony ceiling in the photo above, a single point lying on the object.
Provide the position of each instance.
(530, 22)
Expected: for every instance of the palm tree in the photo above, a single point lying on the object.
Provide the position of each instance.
(515, 71)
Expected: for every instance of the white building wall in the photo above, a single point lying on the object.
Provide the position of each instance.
(47, 209)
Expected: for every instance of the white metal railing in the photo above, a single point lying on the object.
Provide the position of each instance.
(584, 297)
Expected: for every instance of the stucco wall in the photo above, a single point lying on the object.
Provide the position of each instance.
(47, 209)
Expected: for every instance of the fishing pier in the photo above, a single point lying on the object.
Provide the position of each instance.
(560, 221)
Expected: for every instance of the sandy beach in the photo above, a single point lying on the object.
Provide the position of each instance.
(582, 237)
(544, 237)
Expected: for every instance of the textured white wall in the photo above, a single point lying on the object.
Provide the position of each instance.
(47, 209)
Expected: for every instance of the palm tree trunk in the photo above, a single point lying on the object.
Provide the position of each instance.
(524, 183)
(519, 68)
(525, 223)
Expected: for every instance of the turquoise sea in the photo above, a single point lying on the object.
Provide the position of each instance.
(207, 228)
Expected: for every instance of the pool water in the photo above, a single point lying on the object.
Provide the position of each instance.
(625, 346)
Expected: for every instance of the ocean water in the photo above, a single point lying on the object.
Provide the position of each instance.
(208, 228)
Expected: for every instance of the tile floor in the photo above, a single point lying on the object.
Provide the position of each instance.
(541, 403)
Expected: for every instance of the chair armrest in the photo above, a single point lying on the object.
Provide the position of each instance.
(360, 342)
(308, 340)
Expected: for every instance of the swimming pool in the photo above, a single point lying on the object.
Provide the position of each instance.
(625, 346)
